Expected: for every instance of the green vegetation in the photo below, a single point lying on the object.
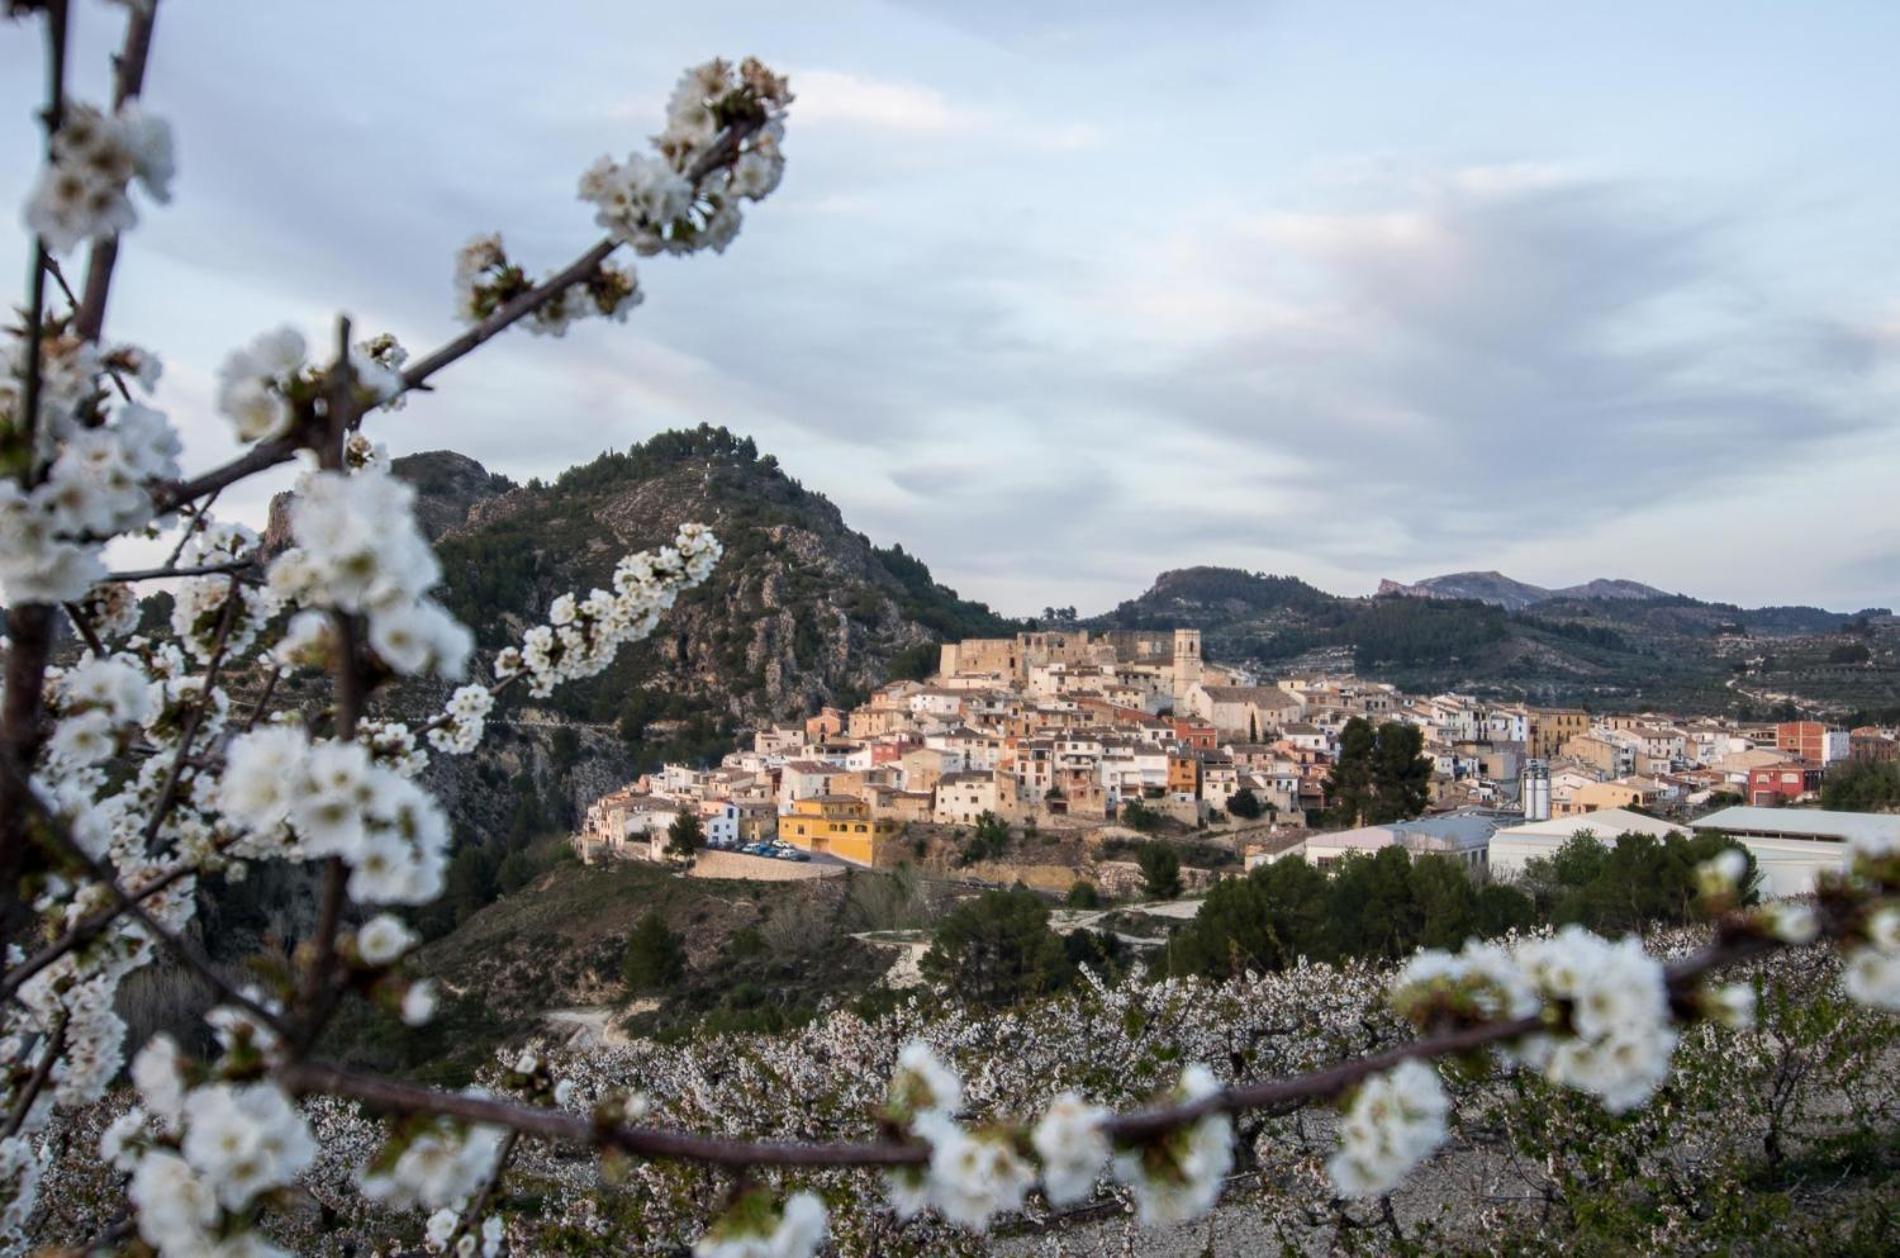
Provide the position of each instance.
(1381, 774)
(1632, 882)
(685, 836)
(997, 949)
(1410, 631)
(1862, 786)
(894, 901)
(528, 843)
(1245, 805)
(1140, 818)
(1193, 596)
(987, 842)
(1083, 895)
(913, 663)
(937, 607)
(1380, 906)
(656, 957)
(1160, 871)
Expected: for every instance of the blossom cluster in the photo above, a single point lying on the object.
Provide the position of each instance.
(217, 612)
(651, 202)
(433, 1163)
(976, 1173)
(199, 1156)
(464, 719)
(486, 280)
(1176, 1176)
(262, 386)
(1394, 1122)
(82, 194)
(582, 636)
(290, 796)
(358, 550)
(1615, 1032)
(755, 1226)
(98, 468)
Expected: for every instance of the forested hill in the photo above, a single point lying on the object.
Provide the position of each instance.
(802, 610)
(1603, 647)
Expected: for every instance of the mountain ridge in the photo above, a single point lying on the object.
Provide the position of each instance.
(1496, 588)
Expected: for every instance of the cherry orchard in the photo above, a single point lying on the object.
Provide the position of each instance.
(140, 771)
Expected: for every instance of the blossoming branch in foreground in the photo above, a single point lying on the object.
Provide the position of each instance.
(82, 193)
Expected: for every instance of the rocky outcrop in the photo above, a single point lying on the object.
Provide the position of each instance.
(448, 486)
(802, 610)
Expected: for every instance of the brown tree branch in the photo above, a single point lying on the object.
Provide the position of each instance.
(83, 624)
(29, 625)
(207, 570)
(317, 999)
(128, 81)
(268, 454)
(23, 1107)
(88, 928)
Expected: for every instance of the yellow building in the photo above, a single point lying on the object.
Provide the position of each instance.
(840, 825)
(1551, 728)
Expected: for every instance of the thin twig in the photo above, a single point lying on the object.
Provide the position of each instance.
(176, 944)
(159, 574)
(263, 700)
(22, 1108)
(168, 794)
(200, 516)
(83, 623)
(72, 299)
(470, 1219)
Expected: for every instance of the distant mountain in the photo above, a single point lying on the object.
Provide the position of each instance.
(1503, 591)
(1603, 643)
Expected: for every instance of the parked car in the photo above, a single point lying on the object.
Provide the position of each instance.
(791, 854)
(757, 849)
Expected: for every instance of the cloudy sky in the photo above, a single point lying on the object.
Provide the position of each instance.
(1063, 294)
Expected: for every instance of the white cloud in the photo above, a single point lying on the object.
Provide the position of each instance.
(839, 98)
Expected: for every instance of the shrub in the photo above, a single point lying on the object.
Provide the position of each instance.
(1160, 871)
(997, 949)
(1083, 895)
(655, 957)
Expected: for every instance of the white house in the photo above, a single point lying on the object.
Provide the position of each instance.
(721, 821)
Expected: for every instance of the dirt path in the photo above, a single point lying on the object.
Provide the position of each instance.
(594, 1026)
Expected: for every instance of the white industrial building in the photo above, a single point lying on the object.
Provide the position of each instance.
(1794, 846)
(1511, 848)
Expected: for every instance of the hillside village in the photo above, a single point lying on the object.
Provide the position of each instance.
(1086, 733)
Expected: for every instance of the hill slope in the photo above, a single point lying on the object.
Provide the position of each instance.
(802, 611)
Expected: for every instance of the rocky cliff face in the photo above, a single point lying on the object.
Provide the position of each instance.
(801, 611)
(448, 485)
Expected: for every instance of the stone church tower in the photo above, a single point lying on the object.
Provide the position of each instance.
(1187, 660)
